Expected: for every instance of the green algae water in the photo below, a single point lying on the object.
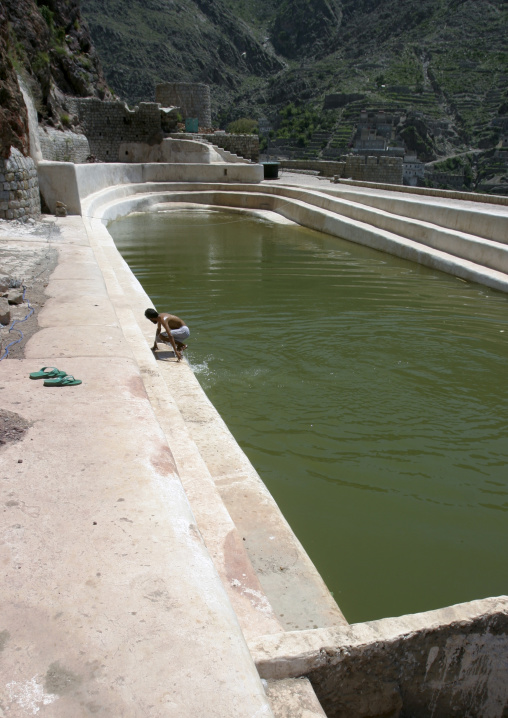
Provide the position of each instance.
(370, 393)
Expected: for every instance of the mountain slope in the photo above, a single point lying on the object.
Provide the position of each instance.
(143, 42)
(443, 58)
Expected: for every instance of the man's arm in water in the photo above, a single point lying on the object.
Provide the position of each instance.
(157, 329)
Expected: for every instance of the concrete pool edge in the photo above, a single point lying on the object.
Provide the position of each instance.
(444, 626)
(291, 591)
(447, 662)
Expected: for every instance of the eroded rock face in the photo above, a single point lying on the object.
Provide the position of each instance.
(13, 114)
(51, 47)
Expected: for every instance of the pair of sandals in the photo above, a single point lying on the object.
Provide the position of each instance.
(55, 377)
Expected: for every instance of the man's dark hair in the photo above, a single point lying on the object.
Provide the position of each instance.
(151, 314)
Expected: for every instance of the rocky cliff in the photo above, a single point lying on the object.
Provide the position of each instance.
(13, 114)
(48, 44)
(301, 28)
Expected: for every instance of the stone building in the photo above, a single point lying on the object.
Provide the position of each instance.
(192, 100)
(412, 170)
(445, 180)
(386, 170)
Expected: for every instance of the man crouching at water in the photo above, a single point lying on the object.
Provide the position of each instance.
(176, 331)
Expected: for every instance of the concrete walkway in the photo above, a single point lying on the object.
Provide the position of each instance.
(111, 604)
(139, 547)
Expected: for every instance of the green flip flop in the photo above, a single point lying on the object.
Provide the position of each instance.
(48, 372)
(67, 380)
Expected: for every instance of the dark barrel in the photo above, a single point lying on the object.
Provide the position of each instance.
(270, 170)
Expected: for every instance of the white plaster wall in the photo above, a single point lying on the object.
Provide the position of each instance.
(169, 150)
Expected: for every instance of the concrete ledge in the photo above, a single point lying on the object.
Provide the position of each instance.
(294, 598)
(449, 662)
(482, 220)
(489, 223)
(294, 698)
(430, 191)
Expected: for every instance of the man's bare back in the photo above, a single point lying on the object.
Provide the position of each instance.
(170, 330)
(173, 321)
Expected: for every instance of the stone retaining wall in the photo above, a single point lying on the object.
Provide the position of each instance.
(367, 169)
(327, 168)
(192, 99)
(244, 145)
(19, 187)
(57, 146)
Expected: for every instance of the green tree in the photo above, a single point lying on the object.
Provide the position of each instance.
(243, 126)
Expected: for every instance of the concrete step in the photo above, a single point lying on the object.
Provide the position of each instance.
(474, 248)
(478, 219)
(215, 524)
(293, 698)
(111, 599)
(228, 156)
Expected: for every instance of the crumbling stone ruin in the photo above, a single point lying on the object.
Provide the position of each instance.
(109, 125)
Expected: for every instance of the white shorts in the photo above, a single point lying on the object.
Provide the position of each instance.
(179, 335)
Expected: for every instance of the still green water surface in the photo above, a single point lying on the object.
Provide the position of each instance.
(370, 394)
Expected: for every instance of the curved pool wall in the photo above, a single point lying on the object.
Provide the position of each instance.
(466, 239)
(445, 662)
(73, 184)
